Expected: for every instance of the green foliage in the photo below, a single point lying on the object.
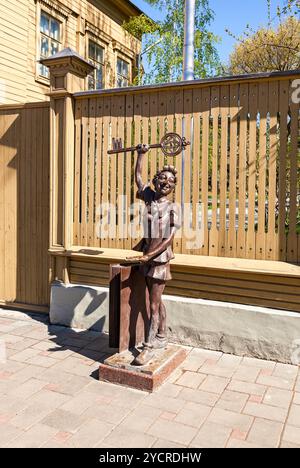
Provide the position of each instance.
(292, 7)
(139, 25)
(275, 47)
(163, 44)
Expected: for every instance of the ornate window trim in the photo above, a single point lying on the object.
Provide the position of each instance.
(56, 6)
(53, 10)
(121, 49)
(96, 34)
(120, 55)
(103, 44)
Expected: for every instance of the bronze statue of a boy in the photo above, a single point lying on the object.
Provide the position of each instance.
(161, 224)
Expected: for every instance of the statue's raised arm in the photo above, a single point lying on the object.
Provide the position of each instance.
(141, 149)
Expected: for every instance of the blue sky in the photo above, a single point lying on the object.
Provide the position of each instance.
(232, 14)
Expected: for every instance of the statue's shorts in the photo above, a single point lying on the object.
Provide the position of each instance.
(159, 271)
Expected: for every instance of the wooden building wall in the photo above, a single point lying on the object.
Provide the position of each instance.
(13, 50)
(81, 19)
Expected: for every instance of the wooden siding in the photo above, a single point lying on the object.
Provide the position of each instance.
(13, 50)
(19, 24)
(24, 205)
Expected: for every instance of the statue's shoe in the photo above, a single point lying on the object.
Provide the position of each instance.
(159, 342)
(144, 357)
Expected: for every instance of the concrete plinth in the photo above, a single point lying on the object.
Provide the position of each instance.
(79, 306)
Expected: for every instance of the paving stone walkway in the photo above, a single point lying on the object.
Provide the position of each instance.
(50, 396)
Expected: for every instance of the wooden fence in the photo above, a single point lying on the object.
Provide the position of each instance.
(242, 167)
(240, 176)
(24, 205)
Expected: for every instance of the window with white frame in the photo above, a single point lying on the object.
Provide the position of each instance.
(50, 39)
(96, 57)
(122, 73)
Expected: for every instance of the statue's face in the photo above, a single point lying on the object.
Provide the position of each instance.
(165, 183)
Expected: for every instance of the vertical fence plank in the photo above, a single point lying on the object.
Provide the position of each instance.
(21, 208)
(121, 161)
(42, 191)
(45, 208)
(137, 139)
(27, 176)
(84, 171)
(98, 170)
(9, 245)
(91, 172)
(128, 168)
(170, 112)
(178, 190)
(9, 183)
(154, 133)
(253, 99)
(224, 109)
(187, 155)
(39, 193)
(242, 161)
(215, 111)
(231, 235)
(271, 237)
(33, 233)
(283, 135)
(77, 174)
(204, 170)
(292, 253)
(170, 116)
(195, 170)
(145, 132)
(112, 160)
(261, 230)
(105, 169)
(162, 124)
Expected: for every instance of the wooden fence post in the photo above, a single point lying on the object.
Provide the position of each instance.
(67, 75)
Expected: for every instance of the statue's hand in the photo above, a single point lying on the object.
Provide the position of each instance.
(145, 259)
(138, 259)
(142, 149)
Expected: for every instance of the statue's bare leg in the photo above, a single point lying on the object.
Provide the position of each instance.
(155, 288)
(162, 328)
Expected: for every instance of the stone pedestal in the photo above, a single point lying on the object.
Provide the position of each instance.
(118, 368)
(128, 307)
(129, 319)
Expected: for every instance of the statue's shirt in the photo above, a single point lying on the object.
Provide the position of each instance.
(159, 218)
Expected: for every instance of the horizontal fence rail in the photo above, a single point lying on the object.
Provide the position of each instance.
(238, 181)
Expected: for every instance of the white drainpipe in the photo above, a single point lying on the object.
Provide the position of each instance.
(189, 39)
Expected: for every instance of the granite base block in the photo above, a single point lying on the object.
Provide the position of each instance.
(118, 369)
